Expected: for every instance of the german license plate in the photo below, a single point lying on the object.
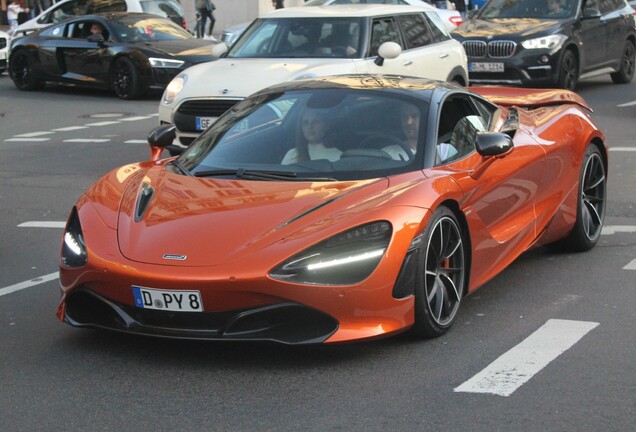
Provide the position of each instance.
(202, 123)
(167, 300)
(485, 67)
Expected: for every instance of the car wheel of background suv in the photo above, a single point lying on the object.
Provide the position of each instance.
(568, 71)
(626, 72)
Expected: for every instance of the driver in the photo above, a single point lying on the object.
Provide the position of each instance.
(410, 121)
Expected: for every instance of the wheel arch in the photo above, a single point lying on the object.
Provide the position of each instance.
(598, 142)
(454, 207)
(458, 75)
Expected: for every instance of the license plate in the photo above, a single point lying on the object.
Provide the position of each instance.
(204, 122)
(167, 300)
(486, 67)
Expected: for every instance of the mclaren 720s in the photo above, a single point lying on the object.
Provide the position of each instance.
(334, 209)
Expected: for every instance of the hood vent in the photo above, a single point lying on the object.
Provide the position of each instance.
(143, 200)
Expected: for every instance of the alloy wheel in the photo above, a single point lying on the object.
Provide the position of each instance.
(593, 197)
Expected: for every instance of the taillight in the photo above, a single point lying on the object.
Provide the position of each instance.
(456, 20)
(183, 23)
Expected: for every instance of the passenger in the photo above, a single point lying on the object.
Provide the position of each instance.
(313, 144)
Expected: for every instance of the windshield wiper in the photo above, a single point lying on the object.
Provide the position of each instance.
(264, 175)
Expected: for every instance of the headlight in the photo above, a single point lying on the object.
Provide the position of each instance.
(344, 259)
(547, 42)
(173, 89)
(165, 63)
(73, 246)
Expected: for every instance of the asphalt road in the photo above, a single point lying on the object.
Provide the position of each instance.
(56, 142)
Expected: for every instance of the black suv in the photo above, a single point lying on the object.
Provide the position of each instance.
(551, 43)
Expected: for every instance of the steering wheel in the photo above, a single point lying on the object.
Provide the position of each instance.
(381, 140)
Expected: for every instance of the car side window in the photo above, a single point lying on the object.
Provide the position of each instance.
(383, 30)
(459, 122)
(438, 30)
(608, 6)
(53, 31)
(415, 30)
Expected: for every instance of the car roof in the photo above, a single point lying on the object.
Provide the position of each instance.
(359, 10)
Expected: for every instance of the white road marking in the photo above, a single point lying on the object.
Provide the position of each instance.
(70, 128)
(136, 118)
(613, 229)
(136, 142)
(514, 368)
(87, 140)
(623, 149)
(104, 123)
(28, 284)
(630, 266)
(34, 134)
(42, 224)
(626, 104)
(28, 139)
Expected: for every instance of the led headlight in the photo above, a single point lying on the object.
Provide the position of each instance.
(551, 42)
(173, 89)
(344, 259)
(73, 246)
(165, 63)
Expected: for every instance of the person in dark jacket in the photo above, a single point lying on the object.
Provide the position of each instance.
(278, 4)
(205, 11)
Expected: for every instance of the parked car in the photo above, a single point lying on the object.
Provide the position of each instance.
(64, 9)
(296, 43)
(231, 242)
(134, 53)
(451, 18)
(525, 43)
(4, 51)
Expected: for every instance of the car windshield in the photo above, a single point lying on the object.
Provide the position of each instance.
(541, 9)
(150, 29)
(312, 135)
(301, 38)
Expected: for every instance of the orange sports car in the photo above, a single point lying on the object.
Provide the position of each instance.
(334, 209)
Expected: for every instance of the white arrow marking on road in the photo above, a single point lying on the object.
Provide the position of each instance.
(630, 266)
(34, 134)
(28, 139)
(28, 284)
(70, 128)
(87, 140)
(514, 368)
(42, 224)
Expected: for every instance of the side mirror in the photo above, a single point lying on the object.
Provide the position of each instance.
(591, 13)
(389, 51)
(160, 138)
(493, 144)
(219, 49)
(96, 38)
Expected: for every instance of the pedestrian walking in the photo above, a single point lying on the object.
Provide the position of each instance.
(205, 11)
(13, 10)
(278, 4)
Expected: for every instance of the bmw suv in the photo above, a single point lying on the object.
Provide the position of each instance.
(551, 43)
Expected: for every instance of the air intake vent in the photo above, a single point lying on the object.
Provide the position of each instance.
(145, 196)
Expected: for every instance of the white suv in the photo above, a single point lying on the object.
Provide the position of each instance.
(295, 43)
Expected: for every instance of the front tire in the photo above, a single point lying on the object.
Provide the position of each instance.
(590, 211)
(441, 275)
(628, 60)
(125, 80)
(568, 71)
(22, 73)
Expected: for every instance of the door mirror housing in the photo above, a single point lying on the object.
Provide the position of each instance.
(493, 144)
(388, 50)
(159, 138)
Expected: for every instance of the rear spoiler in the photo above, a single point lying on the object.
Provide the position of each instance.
(529, 97)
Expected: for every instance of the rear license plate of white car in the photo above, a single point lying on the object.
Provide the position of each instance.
(485, 67)
(167, 300)
(202, 123)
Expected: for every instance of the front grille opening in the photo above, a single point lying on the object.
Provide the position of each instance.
(86, 309)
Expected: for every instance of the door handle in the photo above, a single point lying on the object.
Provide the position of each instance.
(407, 63)
(444, 55)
